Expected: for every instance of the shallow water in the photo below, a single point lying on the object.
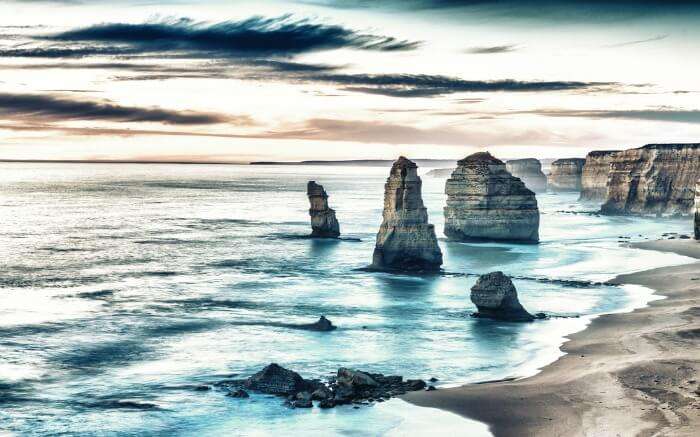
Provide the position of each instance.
(134, 283)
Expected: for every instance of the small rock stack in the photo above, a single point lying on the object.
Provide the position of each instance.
(405, 241)
(485, 202)
(495, 297)
(528, 170)
(323, 221)
(566, 175)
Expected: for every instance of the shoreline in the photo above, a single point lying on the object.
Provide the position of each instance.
(624, 374)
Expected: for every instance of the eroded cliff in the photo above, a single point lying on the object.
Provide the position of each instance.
(528, 170)
(565, 175)
(594, 176)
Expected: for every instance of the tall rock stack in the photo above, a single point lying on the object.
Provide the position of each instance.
(566, 175)
(657, 179)
(405, 241)
(594, 176)
(485, 202)
(528, 170)
(323, 221)
(697, 210)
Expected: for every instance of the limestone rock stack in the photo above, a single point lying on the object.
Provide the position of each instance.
(657, 179)
(405, 241)
(495, 297)
(323, 221)
(594, 176)
(565, 175)
(528, 170)
(485, 202)
(697, 210)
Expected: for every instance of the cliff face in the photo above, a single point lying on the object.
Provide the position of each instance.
(405, 241)
(594, 176)
(697, 211)
(485, 202)
(323, 221)
(528, 170)
(565, 175)
(654, 179)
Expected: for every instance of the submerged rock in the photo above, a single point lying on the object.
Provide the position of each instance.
(565, 175)
(240, 393)
(594, 175)
(322, 324)
(657, 179)
(275, 379)
(495, 297)
(528, 170)
(323, 221)
(485, 202)
(405, 241)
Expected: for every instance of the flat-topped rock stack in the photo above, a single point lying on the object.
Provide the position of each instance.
(656, 179)
(323, 221)
(485, 202)
(495, 297)
(594, 176)
(528, 170)
(565, 175)
(405, 241)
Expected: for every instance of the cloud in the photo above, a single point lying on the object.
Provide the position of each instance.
(411, 85)
(255, 36)
(640, 41)
(490, 50)
(50, 108)
(662, 114)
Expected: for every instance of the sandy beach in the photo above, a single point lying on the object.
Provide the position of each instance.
(627, 374)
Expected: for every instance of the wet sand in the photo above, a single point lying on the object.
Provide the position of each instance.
(628, 374)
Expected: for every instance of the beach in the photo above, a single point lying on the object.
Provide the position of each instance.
(626, 374)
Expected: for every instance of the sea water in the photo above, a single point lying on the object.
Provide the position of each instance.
(124, 286)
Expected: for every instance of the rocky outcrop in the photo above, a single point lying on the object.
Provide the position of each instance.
(347, 386)
(440, 172)
(528, 170)
(655, 179)
(697, 211)
(485, 202)
(323, 221)
(495, 297)
(565, 175)
(594, 176)
(275, 379)
(405, 241)
(321, 325)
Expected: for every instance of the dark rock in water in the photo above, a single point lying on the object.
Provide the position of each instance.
(240, 393)
(405, 241)
(275, 379)
(495, 297)
(323, 221)
(566, 174)
(323, 325)
(321, 393)
(431, 388)
(202, 387)
(416, 384)
(433, 379)
(485, 202)
(326, 403)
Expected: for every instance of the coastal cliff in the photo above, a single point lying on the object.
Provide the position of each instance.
(323, 221)
(594, 176)
(405, 241)
(655, 179)
(528, 170)
(697, 210)
(485, 202)
(565, 175)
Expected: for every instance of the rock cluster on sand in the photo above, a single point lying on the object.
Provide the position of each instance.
(697, 210)
(485, 202)
(348, 386)
(654, 179)
(405, 241)
(323, 221)
(495, 297)
(594, 176)
(528, 170)
(565, 175)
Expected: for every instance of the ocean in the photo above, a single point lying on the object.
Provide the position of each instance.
(124, 286)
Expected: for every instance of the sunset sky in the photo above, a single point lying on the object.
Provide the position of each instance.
(339, 79)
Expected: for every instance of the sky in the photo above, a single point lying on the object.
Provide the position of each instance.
(287, 80)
